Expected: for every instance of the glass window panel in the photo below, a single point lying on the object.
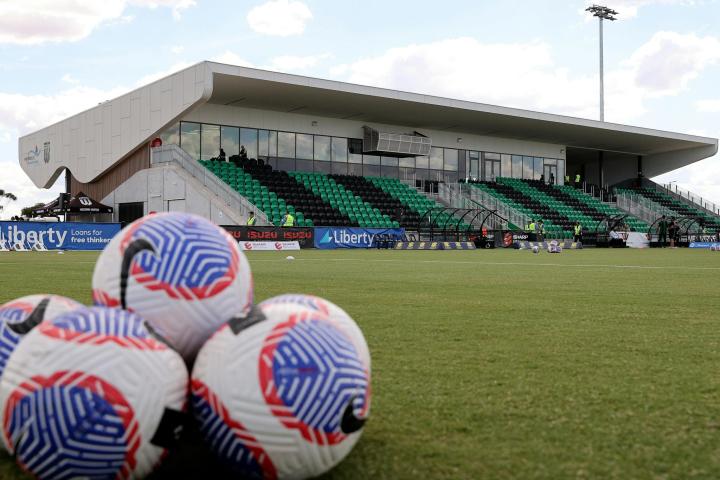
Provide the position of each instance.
(272, 144)
(422, 162)
(287, 164)
(528, 166)
(190, 138)
(171, 136)
(451, 159)
(263, 140)
(550, 161)
(492, 156)
(355, 169)
(517, 166)
(322, 148)
(249, 138)
(304, 147)
(303, 165)
(339, 150)
(286, 144)
(436, 158)
(323, 167)
(339, 168)
(537, 173)
(371, 160)
(389, 161)
(408, 162)
(392, 172)
(506, 166)
(371, 170)
(210, 141)
(230, 140)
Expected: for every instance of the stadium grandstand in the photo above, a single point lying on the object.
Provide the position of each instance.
(222, 141)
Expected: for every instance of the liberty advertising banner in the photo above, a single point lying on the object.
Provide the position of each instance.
(58, 235)
(350, 237)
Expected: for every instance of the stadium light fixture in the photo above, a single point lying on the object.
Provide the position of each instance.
(603, 13)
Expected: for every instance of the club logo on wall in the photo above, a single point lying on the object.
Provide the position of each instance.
(33, 156)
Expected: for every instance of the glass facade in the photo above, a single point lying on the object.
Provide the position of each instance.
(321, 153)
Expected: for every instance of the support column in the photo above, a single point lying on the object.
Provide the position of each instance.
(601, 171)
(639, 166)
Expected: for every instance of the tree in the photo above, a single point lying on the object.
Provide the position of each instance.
(27, 211)
(5, 198)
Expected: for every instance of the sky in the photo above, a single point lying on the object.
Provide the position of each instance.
(662, 58)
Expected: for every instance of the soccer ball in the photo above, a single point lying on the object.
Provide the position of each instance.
(535, 249)
(293, 301)
(92, 393)
(283, 393)
(19, 316)
(183, 274)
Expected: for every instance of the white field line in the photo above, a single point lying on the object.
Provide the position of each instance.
(528, 264)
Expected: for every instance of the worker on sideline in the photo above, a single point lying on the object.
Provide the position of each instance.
(288, 220)
(251, 219)
(531, 229)
(577, 237)
(577, 180)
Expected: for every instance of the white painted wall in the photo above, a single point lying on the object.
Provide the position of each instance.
(93, 141)
(170, 189)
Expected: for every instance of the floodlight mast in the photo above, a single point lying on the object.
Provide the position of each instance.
(603, 13)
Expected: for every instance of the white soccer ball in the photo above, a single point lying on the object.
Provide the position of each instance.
(183, 274)
(92, 394)
(535, 249)
(289, 257)
(19, 316)
(283, 393)
(291, 302)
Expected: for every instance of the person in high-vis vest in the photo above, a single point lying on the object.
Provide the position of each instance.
(567, 179)
(288, 220)
(577, 179)
(577, 232)
(251, 219)
(531, 231)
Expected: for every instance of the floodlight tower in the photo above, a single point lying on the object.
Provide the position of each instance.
(603, 13)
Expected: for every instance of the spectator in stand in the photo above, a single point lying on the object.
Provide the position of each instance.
(567, 179)
(243, 152)
(542, 178)
(222, 156)
(552, 178)
(662, 231)
(578, 180)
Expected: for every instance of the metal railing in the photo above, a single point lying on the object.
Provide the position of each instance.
(642, 207)
(688, 196)
(452, 195)
(491, 202)
(172, 154)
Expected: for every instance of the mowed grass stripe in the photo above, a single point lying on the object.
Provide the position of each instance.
(483, 368)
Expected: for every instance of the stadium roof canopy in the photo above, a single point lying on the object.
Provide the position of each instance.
(93, 141)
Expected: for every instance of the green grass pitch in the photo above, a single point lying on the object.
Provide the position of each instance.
(504, 364)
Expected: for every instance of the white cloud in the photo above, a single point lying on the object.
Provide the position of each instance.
(525, 75)
(669, 61)
(708, 105)
(67, 78)
(32, 22)
(177, 49)
(16, 181)
(279, 17)
(629, 8)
